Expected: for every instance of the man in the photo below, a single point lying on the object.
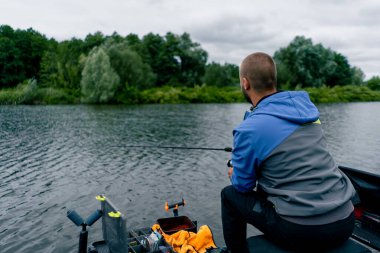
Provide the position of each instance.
(284, 181)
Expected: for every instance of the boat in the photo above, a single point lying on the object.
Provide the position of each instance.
(117, 239)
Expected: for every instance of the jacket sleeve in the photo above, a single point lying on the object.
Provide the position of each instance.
(244, 161)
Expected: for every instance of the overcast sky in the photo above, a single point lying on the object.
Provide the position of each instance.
(227, 30)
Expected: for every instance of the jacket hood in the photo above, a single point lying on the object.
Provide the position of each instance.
(293, 106)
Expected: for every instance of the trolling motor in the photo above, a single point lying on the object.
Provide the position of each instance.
(79, 221)
(174, 207)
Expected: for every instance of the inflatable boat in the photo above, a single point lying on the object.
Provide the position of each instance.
(117, 239)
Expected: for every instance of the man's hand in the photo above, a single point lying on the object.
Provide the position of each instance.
(230, 171)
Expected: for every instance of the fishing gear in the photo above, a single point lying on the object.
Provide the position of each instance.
(226, 149)
(79, 221)
(174, 206)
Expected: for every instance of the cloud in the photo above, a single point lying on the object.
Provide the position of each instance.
(230, 37)
(229, 30)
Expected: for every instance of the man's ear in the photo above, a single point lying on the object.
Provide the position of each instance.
(246, 84)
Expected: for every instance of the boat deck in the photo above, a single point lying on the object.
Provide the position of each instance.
(258, 244)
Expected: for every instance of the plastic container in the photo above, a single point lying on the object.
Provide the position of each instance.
(174, 224)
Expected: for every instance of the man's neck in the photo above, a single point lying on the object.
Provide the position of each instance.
(256, 97)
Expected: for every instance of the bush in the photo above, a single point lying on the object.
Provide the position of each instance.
(24, 93)
(10, 96)
(27, 93)
(30, 93)
(348, 93)
(52, 96)
(197, 94)
(374, 83)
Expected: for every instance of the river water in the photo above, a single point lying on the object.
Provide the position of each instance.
(54, 158)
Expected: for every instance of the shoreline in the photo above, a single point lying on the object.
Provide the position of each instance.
(32, 95)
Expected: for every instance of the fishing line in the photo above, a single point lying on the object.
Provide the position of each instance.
(226, 149)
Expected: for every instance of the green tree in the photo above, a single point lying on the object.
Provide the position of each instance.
(340, 72)
(134, 43)
(130, 67)
(221, 75)
(20, 55)
(10, 63)
(61, 66)
(69, 53)
(33, 46)
(51, 70)
(91, 41)
(162, 63)
(99, 81)
(305, 64)
(285, 78)
(374, 83)
(192, 60)
(174, 59)
(233, 72)
(357, 76)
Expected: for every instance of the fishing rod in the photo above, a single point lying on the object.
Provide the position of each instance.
(226, 149)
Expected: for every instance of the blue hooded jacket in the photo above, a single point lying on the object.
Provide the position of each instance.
(280, 145)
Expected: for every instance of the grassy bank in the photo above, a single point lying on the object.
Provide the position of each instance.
(32, 94)
(343, 94)
(198, 94)
(233, 94)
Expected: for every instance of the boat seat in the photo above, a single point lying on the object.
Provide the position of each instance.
(260, 244)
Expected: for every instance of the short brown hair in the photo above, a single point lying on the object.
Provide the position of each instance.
(260, 70)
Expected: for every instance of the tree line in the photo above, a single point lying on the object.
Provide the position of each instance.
(115, 69)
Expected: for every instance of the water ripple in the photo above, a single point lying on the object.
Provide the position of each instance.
(54, 158)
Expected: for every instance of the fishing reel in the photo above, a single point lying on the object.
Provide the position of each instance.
(174, 206)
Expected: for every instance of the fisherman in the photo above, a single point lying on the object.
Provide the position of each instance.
(284, 180)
